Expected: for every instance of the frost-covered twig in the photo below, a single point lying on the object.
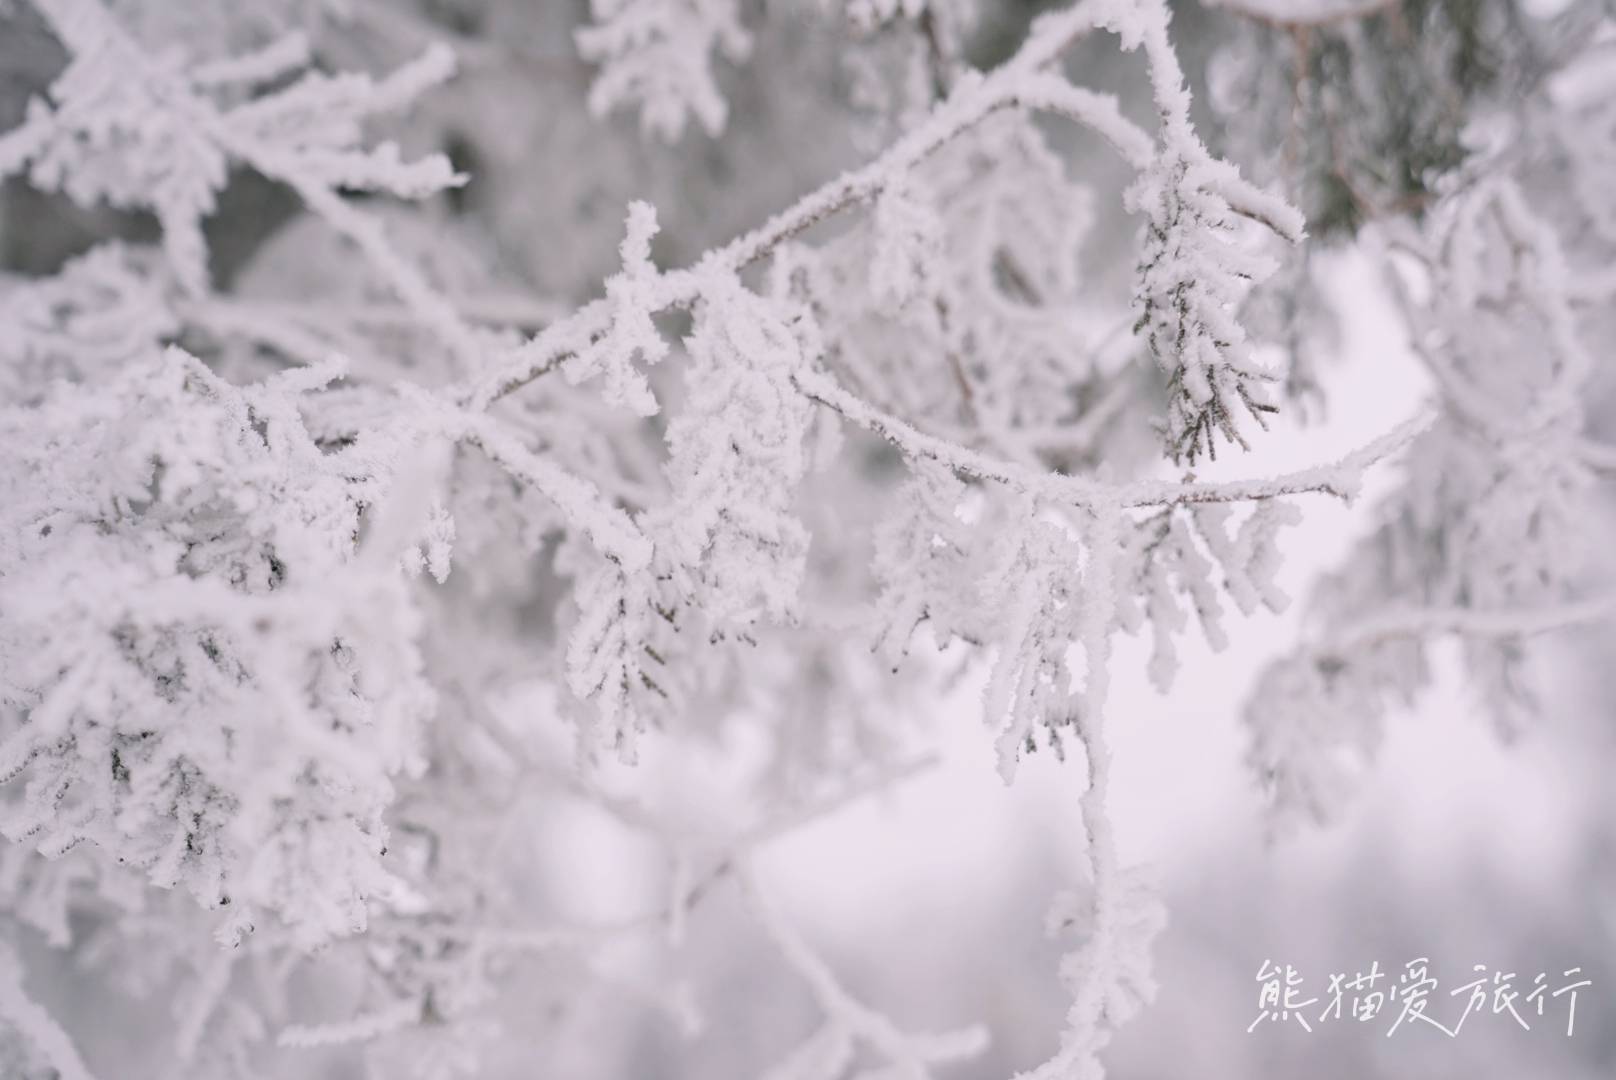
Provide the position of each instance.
(1340, 478)
(33, 1024)
(359, 1029)
(1415, 622)
(1108, 975)
(847, 1020)
(612, 531)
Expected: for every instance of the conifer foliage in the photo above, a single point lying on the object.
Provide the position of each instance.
(305, 563)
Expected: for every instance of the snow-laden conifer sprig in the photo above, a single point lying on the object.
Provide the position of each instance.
(1026, 81)
(612, 656)
(138, 130)
(1192, 271)
(1190, 282)
(609, 335)
(1173, 554)
(730, 552)
(1049, 606)
(1039, 590)
(657, 56)
(182, 553)
(972, 264)
(1486, 540)
(1017, 589)
(736, 456)
(1044, 587)
(923, 551)
(1030, 583)
(276, 591)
